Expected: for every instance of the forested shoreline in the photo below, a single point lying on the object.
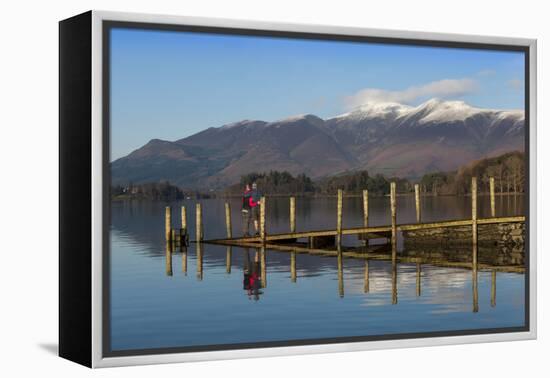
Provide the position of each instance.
(507, 169)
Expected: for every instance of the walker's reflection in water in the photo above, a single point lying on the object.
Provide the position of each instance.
(254, 265)
(251, 275)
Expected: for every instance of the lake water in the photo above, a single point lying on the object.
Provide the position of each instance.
(190, 299)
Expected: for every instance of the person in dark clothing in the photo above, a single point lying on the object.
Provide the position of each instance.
(255, 202)
(247, 210)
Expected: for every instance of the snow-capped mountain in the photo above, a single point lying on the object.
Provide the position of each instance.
(389, 138)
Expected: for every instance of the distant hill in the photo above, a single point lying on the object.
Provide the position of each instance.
(387, 138)
(508, 171)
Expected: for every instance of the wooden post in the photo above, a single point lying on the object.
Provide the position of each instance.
(339, 217)
(292, 214)
(393, 215)
(228, 220)
(493, 288)
(198, 231)
(262, 219)
(366, 212)
(366, 287)
(228, 253)
(418, 279)
(417, 201)
(183, 230)
(366, 208)
(474, 220)
(492, 192)
(184, 218)
(292, 266)
(167, 222)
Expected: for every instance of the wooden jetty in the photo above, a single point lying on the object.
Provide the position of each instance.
(368, 232)
(328, 243)
(327, 238)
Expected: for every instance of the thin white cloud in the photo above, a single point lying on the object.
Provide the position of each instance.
(516, 84)
(446, 88)
(485, 73)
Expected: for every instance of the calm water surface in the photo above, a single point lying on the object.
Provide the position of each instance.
(159, 301)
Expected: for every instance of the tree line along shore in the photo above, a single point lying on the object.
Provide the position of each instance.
(508, 171)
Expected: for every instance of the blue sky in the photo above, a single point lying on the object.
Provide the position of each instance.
(170, 85)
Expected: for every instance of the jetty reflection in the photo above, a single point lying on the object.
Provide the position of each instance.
(254, 268)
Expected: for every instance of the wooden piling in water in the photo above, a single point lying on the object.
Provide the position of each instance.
(393, 208)
(492, 192)
(417, 202)
(292, 266)
(339, 217)
(262, 219)
(228, 228)
(167, 222)
(366, 208)
(292, 214)
(198, 231)
(183, 230)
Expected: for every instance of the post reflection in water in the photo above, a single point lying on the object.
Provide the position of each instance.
(394, 282)
(228, 255)
(418, 279)
(394, 273)
(493, 288)
(199, 260)
(168, 259)
(340, 272)
(255, 269)
(183, 249)
(292, 266)
(255, 264)
(263, 257)
(366, 286)
(474, 277)
(251, 275)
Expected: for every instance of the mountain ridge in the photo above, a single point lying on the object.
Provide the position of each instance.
(389, 138)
